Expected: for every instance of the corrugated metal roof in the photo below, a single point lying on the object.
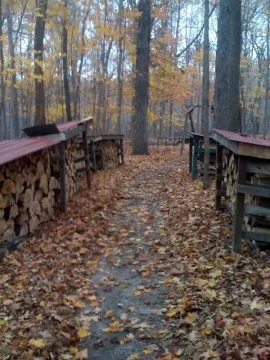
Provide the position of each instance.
(232, 136)
(67, 126)
(11, 150)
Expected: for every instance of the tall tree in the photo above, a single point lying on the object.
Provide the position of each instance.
(65, 63)
(205, 94)
(227, 89)
(14, 92)
(140, 137)
(3, 129)
(233, 105)
(41, 12)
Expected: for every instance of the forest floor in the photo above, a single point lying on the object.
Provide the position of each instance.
(138, 268)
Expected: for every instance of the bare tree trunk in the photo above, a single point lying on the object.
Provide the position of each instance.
(266, 110)
(140, 140)
(221, 85)
(77, 93)
(65, 64)
(14, 92)
(205, 95)
(3, 124)
(120, 71)
(40, 116)
(234, 66)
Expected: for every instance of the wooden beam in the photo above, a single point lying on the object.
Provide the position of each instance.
(239, 206)
(62, 169)
(87, 162)
(250, 235)
(258, 211)
(258, 167)
(255, 190)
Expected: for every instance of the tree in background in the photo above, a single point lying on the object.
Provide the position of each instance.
(140, 137)
(40, 13)
(227, 86)
(205, 94)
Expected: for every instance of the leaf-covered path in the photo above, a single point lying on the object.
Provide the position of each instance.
(138, 268)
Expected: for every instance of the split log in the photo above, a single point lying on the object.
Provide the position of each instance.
(33, 223)
(43, 183)
(38, 195)
(3, 226)
(22, 217)
(2, 203)
(13, 211)
(24, 230)
(8, 187)
(19, 186)
(27, 198)
(31, 178)
(35, 208)
(8, 234)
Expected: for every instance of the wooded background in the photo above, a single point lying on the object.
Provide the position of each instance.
(82, 56)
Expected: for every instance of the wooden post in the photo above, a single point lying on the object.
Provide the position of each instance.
(122, 151)
(62, 169)
(239, 206)
(94, 155)
(102, 156)
(195, 159)
(218, 176)
(87, 162)
(190, 153)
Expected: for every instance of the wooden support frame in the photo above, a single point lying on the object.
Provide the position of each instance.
(62, 169)
(122, 159)
(218, 176)
(87, 162)
(239, 206)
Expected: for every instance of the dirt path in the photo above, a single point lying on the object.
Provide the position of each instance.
(137, 268)
(130, 279)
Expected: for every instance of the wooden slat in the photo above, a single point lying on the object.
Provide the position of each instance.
(256, 236)
(258, 167)
(257, 211)
(255, 190)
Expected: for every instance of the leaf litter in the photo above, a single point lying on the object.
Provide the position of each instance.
(188, 296)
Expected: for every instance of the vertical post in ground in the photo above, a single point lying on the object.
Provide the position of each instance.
(62, 169)
(239, 207)
(218, 176)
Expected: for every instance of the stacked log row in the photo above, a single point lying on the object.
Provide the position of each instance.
(27, 194)
(252, 222)
(29, 189)
(110, 154)
(230, 179)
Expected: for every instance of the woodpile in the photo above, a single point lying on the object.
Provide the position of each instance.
(25, 187)
(29, 190)
(256, 217)
(110, 154)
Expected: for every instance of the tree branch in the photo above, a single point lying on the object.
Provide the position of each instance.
(198, 35)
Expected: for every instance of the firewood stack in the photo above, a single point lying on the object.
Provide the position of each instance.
(252, 222)
(27, 194)
(230, 179)
(29, 189)
(110, 154)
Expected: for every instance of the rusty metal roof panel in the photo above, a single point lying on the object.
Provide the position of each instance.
(242, 138)
(11, 150)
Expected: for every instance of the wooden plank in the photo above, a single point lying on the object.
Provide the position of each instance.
(250, 235)
(87, 162)
(259, 211)
(239, 206)
(219, 177)
(190, 154)
(231, 145)
(257, 151)
(258, 167)
(195, 159)
(62, 168)
(255, 190)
